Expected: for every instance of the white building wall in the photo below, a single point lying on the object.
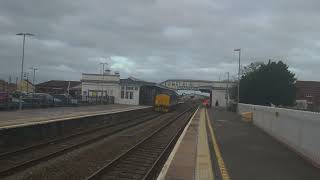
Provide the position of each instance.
(220, 96)
(108, 89)
(298, 129)
(126, 100)
(100, 77)
(100, 85)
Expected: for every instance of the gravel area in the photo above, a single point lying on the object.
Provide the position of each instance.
(8, 161)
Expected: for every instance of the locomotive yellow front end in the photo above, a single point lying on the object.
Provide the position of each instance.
(162, 103)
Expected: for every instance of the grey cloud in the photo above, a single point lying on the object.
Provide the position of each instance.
(158, 39)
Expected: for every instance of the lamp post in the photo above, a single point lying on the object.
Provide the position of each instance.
(22, 63)
(239, 50)
(227, 92)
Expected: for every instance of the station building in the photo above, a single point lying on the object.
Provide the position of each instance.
(130, 91)
(134, 91)
(100, 85)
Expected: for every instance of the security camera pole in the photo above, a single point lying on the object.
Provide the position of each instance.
(22, 63)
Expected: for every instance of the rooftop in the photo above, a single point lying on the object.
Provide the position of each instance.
(132, 80)
(59, 83)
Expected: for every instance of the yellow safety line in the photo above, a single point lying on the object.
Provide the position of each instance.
(203, 165)
(222, 167)
(167, 165)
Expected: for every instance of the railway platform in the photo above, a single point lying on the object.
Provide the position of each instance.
(191, 157)
(14, 119)
(216, 144)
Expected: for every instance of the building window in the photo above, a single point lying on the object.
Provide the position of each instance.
(127, 94)
(131, 95)
(308, 94)
(111, 92)
(122, 87)
(122, 94)
(136, 88)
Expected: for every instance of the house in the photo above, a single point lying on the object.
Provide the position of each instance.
(7, 87)
(58, 87)
(25, 86)
(3, 85)
(308, 95)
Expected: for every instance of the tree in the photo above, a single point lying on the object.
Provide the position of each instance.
(263, 84)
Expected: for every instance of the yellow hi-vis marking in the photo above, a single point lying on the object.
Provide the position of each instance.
(222, 167)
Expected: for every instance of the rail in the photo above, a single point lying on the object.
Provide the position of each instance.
(26, 164)
(100, 172)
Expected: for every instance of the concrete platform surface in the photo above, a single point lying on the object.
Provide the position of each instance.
(249, 153)
(10, 119)
(190, 158)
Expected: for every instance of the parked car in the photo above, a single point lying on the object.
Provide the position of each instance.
(66, 99)
(40, 99)
(4, 97)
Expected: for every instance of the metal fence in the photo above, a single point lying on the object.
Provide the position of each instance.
(300, 130)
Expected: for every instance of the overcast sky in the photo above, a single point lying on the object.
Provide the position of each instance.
(157, 40)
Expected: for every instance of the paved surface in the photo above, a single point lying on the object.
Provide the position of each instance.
(204, 169)
(182, 160)
(251, 154)
(190, 158)
(12, 118)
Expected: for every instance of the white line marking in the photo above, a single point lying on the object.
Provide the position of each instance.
(166, 166)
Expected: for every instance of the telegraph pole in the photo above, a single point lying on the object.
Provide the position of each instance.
(34, 78)
(227, 93)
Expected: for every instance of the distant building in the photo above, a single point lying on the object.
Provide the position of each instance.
(7, 87)
(25, 86)
(218, 90)
(191, 84)
(58, 87)
(3, 85)
(308, 95)
(100, 85)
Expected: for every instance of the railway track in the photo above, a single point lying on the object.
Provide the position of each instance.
(18, 160)
(144, 160)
